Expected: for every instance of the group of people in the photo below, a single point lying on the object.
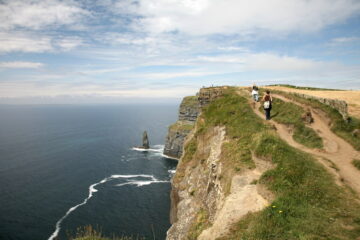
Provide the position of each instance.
(267, 100)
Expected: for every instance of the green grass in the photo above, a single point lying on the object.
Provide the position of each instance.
(90, 233)
(181, 126)
(201, 223)
(307, 137)
(290, 114)
(340, 127)
(190, 101)
(356, 163)
(308, 204)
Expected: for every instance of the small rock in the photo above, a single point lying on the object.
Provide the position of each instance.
(356, 133)
(307, 117)
(145, 141)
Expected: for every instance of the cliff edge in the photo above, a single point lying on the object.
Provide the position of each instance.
(239, 178)
(177, 132)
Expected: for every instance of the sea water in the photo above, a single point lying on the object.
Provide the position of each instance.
(68, 166)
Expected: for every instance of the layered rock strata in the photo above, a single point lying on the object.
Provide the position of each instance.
(188, 113)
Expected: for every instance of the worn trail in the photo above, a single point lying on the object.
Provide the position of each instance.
(336, 149)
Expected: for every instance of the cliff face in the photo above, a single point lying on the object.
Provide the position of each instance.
(188, 112)
(205, 192)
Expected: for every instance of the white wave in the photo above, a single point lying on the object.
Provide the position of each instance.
(141, 183)
(92, 190)
(166, 156)
(172, 171)
(156, 148)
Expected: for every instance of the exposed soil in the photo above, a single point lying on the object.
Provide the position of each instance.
(339, 153)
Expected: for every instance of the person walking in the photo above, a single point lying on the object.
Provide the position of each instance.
(255, 93)
(267, 99)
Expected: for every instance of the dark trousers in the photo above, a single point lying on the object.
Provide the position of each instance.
(267, 113)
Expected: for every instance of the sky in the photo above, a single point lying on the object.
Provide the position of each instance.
(125, 51)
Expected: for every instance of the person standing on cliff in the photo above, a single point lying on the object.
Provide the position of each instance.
(267, 99)
(255, 93)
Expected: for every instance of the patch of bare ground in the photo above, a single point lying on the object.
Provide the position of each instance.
(245, 196)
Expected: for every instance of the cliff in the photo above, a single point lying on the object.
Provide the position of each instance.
(177, 132)
(238, 179)
(188, 112)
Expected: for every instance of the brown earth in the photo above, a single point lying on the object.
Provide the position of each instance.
(351, 97)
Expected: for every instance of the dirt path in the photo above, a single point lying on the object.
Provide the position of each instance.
(337, 150)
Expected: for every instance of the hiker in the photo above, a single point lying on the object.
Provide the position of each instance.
(267, 99)
(255, 93)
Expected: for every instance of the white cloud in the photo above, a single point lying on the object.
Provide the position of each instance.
(33, 89)
(264, 62)
(273, 62)
(201, 17)
(24, 43)
(342, 40)
(69, 43)
(20, 64)
(183, 74)
(36, 14)
(31, 42)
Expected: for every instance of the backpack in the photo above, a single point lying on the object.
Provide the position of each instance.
(266, 104)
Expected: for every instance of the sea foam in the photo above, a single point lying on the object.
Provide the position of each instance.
(130, 181)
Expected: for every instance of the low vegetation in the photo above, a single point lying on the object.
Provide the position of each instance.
(190, 101)
(233, 112)
(181, 126)
(90, 233)
(200, 224)
(308, 204)
(343, 129)
(290, 114)
(356, 163)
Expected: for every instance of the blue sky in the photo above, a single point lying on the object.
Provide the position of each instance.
(90, 51)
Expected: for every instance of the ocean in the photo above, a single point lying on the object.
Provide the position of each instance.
(67, 166)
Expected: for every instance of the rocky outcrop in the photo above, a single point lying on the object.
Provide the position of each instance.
(189, 110)
(201, 208)
(201, 184)
(307, 117)
(339, 105)
(188, 113)
(206, 95)
(145, 141)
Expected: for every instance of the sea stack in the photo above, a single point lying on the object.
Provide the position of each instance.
(145, 141)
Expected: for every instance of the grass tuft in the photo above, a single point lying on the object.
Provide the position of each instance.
(90, 233)
(356, 163)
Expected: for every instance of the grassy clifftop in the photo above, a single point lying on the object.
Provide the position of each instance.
(308, 203)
